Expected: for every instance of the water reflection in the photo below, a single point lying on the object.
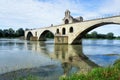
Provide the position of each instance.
(52, 61)
(71, 56)
(40, 47)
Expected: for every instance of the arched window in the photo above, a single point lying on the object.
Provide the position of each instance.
(66, 21)
(71, 30)
(57, 31)
(63, 31)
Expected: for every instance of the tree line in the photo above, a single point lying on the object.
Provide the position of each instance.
(92, 35)
(10, 33)
(96, 35)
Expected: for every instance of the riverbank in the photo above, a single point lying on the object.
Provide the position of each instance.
(38, 73)
(19, 54)
(108, 73)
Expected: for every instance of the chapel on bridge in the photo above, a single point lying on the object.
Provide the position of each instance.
(69, 19)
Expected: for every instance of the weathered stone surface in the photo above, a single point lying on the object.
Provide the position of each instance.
(33, 39)
(61, 39)
(80, 28)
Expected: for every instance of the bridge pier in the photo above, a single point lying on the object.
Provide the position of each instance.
(42, 39)
(65, 40)
(61, 39)
(33, 38)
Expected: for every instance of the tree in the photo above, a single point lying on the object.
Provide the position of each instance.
(20, 32)
(5, 33)
(11, 32)
(94, 34)
(1, 33)
(87, 36)
(110, 35)
(101, 36)
(49, 35)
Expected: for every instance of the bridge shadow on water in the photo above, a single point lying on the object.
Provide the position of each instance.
(65, 60)
(71, 58)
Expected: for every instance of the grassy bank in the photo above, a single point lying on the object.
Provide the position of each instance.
(108, 73)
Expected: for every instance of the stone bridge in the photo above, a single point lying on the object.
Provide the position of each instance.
(72, 30)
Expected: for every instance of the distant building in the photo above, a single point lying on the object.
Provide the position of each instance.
(69, 19)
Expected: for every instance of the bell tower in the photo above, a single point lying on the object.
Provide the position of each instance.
(67, 13)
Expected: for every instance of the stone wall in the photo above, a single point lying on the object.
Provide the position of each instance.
(33, 38)
(61, 39)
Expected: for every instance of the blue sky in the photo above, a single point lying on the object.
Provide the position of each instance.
(42, 13)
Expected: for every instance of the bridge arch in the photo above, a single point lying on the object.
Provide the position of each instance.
(88, 29)
(29, 35)
(46, 34)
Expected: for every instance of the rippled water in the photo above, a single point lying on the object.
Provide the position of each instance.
(57, 60)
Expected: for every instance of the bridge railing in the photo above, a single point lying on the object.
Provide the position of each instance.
(87, 19)
(102, 17)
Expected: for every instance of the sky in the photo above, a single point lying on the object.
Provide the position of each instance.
(42, 13)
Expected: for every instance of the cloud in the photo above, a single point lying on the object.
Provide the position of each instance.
(34, 13)
(110, 7)
(41, 13)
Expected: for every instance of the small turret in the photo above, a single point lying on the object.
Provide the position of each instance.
(67, 13)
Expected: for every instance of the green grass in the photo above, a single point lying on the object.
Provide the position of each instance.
(108, 73)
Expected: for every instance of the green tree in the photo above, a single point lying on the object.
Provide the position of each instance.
(101, 36)
(11, 32)
(87, 36)
(1, 33)
(94, 34)
(5, 33)
(49, 35)
(20, 32)
(110, 35)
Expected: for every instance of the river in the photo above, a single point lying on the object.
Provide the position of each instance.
(54, 61)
